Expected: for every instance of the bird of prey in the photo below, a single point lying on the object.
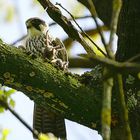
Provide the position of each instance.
(40, 43)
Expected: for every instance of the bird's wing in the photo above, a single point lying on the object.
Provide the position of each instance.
(62, 53)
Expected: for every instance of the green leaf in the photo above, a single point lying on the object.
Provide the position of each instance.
(9, 92)
(5, 133)
(1, 92)
(12, 102)
(2, 109)
(139, 75)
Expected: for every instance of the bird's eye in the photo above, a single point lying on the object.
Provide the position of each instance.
(28, 26)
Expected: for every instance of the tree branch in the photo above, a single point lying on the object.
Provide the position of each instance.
(50, 87)
(6, 106)
(124, 110)
(82, 31)
(115, 66)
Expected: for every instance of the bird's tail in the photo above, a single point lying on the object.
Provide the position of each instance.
(46, 121)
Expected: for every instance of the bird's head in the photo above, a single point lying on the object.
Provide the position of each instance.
(36, 26)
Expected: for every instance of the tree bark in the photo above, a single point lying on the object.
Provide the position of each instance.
(129, 46)
(128, 30)
(63, 92)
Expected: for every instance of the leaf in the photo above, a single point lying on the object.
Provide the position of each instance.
(1, 92)
(9, 92)
(2, 109)
(12, 102)
(5, 133)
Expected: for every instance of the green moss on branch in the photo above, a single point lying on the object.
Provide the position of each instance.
(48, 86)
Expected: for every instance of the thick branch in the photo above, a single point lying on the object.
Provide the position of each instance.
(124, 67)
(47, 86)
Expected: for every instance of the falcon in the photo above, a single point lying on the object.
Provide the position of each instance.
(39, 43)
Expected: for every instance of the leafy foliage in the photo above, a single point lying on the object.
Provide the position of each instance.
(5, 95)
(4, 134)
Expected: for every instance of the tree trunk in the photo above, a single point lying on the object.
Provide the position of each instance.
(129, 46)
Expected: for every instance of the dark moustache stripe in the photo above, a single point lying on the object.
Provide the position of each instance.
(37, 22)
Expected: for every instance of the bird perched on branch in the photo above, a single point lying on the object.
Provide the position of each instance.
(40, 44)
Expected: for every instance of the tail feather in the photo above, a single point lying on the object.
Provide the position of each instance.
(46, 121)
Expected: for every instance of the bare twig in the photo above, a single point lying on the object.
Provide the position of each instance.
(117, 4)
(68, 41)
(124, 111)
(106, 105)
(134, 58)
(89, 38)
(77, 18)
(122, 67)
(6, 106)
(95, 16)
(18, 40)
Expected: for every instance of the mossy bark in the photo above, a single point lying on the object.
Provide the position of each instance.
(129, 46)
(48, 86)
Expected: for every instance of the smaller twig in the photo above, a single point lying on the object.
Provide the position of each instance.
(81, 63)
(95, 16)
(121, 67)
(106, 105)
(68, 41)
(82, 29)
(18, 40)
(124, 111)
(84, 17)
(117, 4)
(133, 58)
(6, 106)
